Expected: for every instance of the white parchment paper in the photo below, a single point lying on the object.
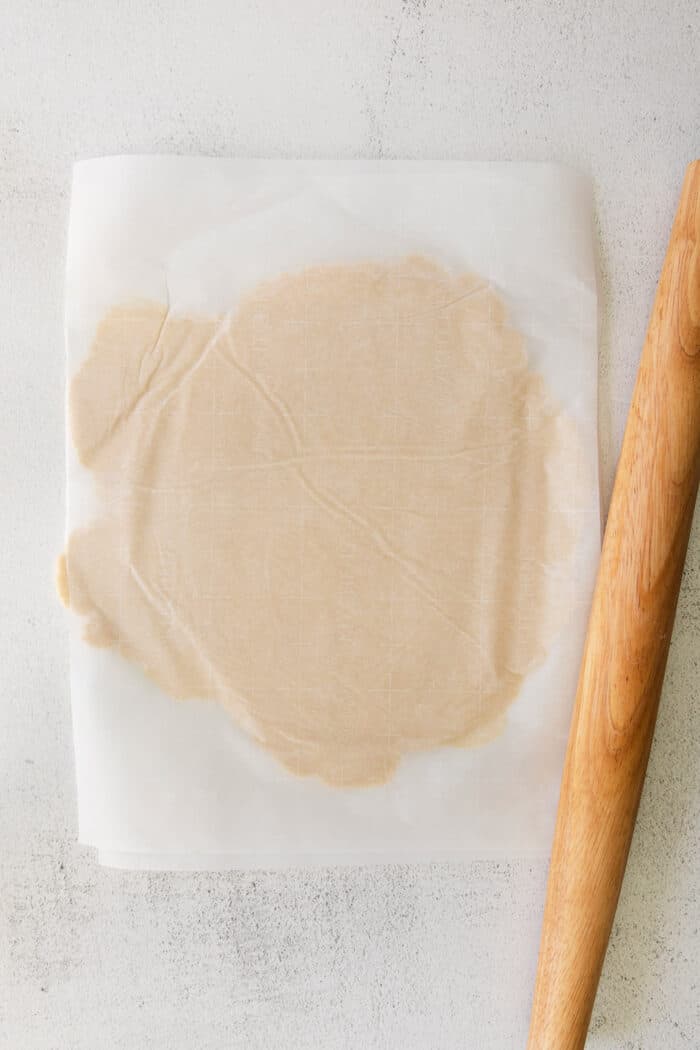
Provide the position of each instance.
(178, 784)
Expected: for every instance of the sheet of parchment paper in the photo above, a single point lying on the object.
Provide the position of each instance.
(362, 328)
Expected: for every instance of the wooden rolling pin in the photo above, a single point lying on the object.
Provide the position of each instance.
(624, 658)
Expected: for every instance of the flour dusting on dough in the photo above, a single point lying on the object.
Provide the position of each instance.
(346, 512)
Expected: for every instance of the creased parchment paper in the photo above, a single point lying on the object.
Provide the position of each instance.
(332, 516)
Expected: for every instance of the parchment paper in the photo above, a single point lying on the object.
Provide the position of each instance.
(178, 784)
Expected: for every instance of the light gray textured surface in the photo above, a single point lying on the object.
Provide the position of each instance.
(381, 959)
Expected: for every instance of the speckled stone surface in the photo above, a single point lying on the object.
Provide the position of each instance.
(432, 958)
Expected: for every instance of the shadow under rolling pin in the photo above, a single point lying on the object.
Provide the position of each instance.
(624, 657)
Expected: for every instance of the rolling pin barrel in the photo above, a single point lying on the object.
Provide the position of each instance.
(626, 647)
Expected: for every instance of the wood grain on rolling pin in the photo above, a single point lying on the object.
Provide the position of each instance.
(627, 645)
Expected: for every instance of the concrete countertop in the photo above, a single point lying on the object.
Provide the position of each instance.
(383, 958)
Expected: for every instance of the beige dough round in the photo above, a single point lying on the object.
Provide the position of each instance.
(345, 512)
